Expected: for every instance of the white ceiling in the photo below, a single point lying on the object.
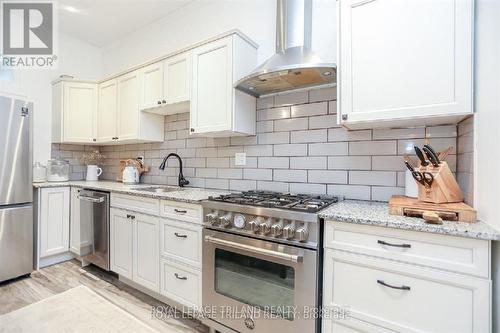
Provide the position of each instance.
(102, 22)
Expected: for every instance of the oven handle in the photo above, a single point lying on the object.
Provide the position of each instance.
(254, 249)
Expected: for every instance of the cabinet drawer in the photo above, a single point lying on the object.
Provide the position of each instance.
(406, 298)
(181, 211)
(180, 283)
(463, 255)
(181, 241)
(135, 203)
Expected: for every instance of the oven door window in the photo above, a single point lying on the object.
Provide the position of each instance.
(256, 282)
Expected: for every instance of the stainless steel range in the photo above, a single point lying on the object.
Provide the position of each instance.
(262, 261)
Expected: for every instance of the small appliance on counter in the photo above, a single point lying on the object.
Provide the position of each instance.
(130, 175)
(57, 170)
(93, 173)
(39, 173)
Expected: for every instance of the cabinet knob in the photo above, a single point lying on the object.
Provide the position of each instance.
(192, 129)
(94, 140)
(345, 117)
(159, 102)
(164, 101)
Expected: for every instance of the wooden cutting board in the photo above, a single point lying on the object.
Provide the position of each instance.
(457, 211)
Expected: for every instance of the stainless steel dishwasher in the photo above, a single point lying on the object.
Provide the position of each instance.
(94, 226)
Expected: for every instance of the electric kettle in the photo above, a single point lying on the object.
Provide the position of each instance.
(130, 175)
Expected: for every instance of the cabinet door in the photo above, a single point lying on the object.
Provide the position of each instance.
(146, 251)
(212, 87)
(121, 242)
(74, 230)
(405, 59)
(106, 120)
(128, 106)
(54, 221)
(151, 90)
(79, 112)
(177, 72)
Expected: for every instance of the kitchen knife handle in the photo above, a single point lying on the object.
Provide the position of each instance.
(433, 152)
(431, 157)
(420, 156)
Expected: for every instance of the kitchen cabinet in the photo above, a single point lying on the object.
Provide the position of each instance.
(107, 114)
(128, 106)
(151, 86)
(121, 242)
(134, 247)
(74, 117)
(165, 85)
(452, 273)
(404, 63)
(54, 219)
(217, 109)
(146, 251)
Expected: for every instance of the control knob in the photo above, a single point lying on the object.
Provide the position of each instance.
(289, 231)
(212, 218)
(302, 234)
(254, 226)
(277, 229)
(225, 221)
(265, 228)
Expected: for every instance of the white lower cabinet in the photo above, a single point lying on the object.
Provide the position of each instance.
(134, 247)
(54, 210)
(121, 243)
(386, 295)
(145, 256)
(180, 283)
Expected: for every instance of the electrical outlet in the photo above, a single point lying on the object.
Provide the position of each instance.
(240, 159)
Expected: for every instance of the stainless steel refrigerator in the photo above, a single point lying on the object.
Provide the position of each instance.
(16, 189)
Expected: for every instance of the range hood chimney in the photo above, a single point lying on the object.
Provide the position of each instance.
(294, 66)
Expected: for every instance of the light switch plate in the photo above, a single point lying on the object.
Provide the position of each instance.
(240, 159)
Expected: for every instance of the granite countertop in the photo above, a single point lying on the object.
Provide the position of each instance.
(377, 214)
(185, 194)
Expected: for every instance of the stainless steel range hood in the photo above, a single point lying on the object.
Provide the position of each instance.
(294, 66)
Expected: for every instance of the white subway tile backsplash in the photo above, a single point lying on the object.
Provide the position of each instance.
(290, 150)
(382, 178)
(310, 136)
(299, 147)
(314, 109)
(349, 162)
(290, 176)
(373, 148)
(291, 99)
(295, 124)
(309, 162)
(342, 134)
(328, 149)
(274, 162)
(327, 176)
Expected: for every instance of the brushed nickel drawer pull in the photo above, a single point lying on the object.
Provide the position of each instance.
(180, 277)
(180, 211)
(403, 287)
(179, 235)
(406, 246)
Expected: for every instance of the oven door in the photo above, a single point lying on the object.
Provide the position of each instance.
(253, 285)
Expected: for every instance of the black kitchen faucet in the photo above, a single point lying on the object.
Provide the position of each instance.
(182, 180)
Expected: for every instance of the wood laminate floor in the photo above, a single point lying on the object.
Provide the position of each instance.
(61, 277)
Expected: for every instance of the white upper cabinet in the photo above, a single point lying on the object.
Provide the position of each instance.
(75, 112)
(151, 86)
(404, 62)
(216, 107)
(106, 120)
(128, 105)
(177, 78)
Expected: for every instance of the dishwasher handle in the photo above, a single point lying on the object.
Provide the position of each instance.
(91, 199)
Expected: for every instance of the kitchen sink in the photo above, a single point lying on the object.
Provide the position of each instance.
(158, 189)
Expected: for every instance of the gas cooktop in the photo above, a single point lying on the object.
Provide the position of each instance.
(295, 202)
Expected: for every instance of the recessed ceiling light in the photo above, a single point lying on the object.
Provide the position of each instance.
(71, 9)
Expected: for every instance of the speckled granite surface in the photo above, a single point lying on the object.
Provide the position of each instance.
(377, 214)
(186, 194)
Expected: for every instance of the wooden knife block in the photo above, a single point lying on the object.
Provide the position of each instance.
(444, 189)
